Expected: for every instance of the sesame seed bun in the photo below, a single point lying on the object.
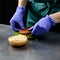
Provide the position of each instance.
(17, 40)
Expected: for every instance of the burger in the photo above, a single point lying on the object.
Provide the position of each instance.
(25, 32)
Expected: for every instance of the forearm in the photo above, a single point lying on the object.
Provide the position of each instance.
(56, 17)
(22, 2)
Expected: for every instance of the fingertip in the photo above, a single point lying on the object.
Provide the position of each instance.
(31, 28)
(23, 27)
(35, 31)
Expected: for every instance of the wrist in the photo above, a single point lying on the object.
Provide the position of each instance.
(20, 8)
(22, 3)
(56, 17)
(51, 20)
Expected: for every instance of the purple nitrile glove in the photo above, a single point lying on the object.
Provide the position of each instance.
(42, 26)
(16, 21)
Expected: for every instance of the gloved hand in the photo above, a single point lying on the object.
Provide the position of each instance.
(42, 26)
(16, 21)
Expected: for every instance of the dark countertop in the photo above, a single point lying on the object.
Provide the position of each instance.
(46, 48)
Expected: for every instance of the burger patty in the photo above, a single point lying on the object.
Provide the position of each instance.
(25, 31)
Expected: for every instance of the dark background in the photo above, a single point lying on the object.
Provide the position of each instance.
(7, 9)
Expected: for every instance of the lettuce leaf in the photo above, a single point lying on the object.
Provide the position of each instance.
(28, 35)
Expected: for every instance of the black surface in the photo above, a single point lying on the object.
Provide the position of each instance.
(47, 48)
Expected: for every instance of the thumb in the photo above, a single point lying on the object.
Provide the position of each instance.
(22, 25)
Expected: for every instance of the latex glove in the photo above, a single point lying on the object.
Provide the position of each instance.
(16, 21)
(42, 26)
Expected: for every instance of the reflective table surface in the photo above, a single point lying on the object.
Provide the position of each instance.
(45, 48)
